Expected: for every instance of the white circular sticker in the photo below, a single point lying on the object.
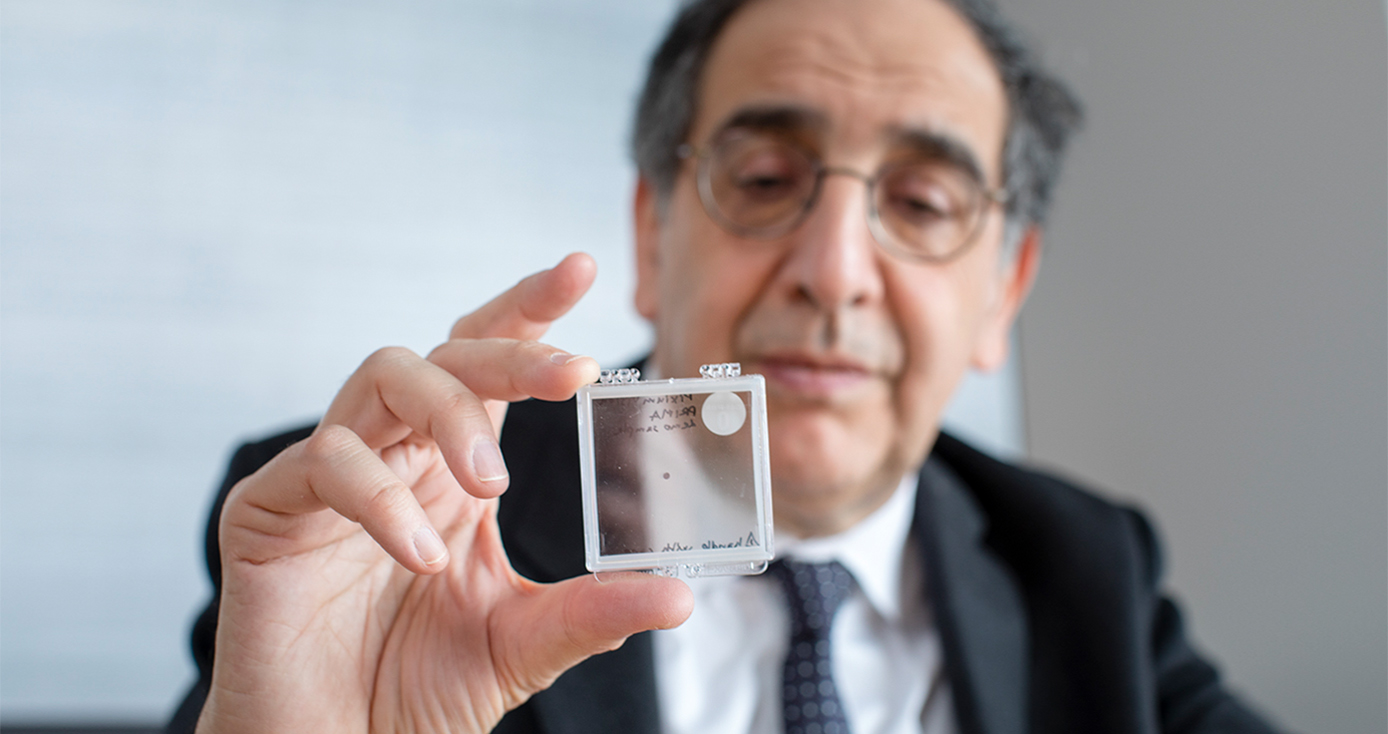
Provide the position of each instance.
(724, 413)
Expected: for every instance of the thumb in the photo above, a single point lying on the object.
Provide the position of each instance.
(563, 624)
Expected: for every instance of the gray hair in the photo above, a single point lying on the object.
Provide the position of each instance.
(1043, 113)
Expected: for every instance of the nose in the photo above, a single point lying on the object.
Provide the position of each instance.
(834, 263)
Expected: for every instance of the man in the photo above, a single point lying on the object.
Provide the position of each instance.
(846, 198)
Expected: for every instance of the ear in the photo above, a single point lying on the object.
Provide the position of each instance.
(1014, 283)
(646, 218)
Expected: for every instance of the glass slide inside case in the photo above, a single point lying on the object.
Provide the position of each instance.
(676, 477)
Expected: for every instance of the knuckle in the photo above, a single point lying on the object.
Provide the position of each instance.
(531, 350)
(388, 357)
(328, 443)
(456, 405)
(455, 409)
(526, 358)
(443, 349)
(579, 640)
(385, 503)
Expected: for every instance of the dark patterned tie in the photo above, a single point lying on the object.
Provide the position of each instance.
(814, 592)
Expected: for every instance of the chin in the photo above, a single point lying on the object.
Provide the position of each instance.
(818, 464)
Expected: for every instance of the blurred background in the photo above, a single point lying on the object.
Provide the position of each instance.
(211, 212)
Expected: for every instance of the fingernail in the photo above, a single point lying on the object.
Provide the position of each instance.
(563, 358)
(429, 546)
(487, 461)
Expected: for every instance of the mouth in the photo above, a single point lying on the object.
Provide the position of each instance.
(812, 376)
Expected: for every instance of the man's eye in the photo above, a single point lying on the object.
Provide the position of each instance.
(763, 182)
(920, 207)
(765, 188)
(925, 196)
(918, 210)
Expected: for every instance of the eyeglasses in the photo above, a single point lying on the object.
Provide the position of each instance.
(763, 186)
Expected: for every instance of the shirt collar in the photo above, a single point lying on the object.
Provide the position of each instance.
(873, 550)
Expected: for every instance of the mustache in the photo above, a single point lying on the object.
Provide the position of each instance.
(843, 338)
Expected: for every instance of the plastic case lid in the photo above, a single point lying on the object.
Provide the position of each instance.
(676, 476)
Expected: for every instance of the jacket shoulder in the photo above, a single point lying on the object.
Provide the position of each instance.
(1089, 570)
(1044, 511)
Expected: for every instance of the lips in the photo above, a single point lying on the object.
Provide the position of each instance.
(810, 376)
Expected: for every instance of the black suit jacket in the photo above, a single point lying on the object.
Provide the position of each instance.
(1046, 597)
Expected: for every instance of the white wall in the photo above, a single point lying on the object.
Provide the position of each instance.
(210, 213)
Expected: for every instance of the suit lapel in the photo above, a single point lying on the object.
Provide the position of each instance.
(977, 605)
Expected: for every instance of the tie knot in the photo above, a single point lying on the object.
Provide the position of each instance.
(814, 592)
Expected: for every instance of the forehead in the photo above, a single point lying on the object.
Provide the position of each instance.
(869, 68)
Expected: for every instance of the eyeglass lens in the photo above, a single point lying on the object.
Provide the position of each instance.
(759, 185)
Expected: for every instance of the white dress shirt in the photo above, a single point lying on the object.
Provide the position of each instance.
(720, 672)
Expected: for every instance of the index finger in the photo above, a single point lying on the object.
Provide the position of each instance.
(526, 310)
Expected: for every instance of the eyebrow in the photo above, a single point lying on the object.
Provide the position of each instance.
(793, 119)
(775, 118)
(941, 146)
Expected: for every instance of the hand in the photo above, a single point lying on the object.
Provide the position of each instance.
(364, 584)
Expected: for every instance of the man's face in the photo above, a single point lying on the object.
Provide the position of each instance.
(861, 350)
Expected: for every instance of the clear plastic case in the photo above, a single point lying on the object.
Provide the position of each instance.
(676, 476)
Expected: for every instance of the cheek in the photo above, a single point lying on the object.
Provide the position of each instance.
(707, 285)
(940, 314)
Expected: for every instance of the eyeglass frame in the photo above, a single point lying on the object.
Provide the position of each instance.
(880, 234)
